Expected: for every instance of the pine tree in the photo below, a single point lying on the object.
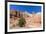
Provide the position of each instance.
(22, 22)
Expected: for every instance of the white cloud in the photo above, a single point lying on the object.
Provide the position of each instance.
(28, 13)
(38, 13)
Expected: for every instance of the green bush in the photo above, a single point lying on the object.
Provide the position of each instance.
(22, 22)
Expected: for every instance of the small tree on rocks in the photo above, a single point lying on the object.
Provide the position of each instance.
(22, 22)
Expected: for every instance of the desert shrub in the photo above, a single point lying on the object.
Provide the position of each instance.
(22, 22)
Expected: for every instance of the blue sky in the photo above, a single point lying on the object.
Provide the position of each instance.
(27, 8)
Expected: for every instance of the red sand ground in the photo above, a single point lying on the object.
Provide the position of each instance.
(31, 22)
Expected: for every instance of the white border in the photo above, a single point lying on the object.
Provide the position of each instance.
(31, 29)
